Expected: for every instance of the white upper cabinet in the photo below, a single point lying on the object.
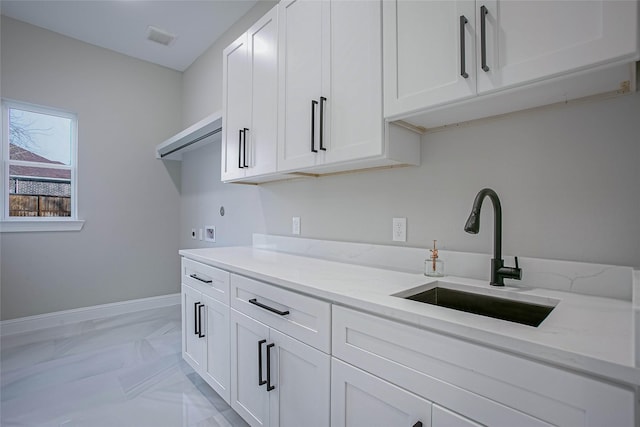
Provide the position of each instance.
(530, 40)
(448, 54)
(331, 89)
(424, 53)
(304, 31)
(250, 96)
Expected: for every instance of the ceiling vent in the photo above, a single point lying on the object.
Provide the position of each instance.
(158, 35)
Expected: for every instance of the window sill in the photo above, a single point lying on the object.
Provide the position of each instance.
(25, 226)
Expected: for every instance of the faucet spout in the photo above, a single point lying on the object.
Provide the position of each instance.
(498, 271)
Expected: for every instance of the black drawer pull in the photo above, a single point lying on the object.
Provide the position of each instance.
(194, 276)
(200, 334)
(266, 307)
(313, 125)
(483, 37)
(195, 318)
(240, 149)
(244, 138)
(463, 55)
(322, 101)
(260, 380)
(269, 386)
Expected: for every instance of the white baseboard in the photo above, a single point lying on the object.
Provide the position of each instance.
(60, 318)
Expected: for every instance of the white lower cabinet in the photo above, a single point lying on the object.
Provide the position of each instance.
(468, 383)
(205, 336)
(205, 323)
(361, 399)
(277, 380)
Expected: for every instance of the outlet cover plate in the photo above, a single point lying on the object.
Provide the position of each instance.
(295, 225)
(399, 229)
(210, 233)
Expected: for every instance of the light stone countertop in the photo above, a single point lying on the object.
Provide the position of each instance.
(589, 334)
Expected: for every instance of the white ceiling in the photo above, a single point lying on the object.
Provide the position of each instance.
(121, 25)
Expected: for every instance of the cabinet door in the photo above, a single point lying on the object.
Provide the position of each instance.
(236, 99)
(216, 363)
(361, 399)
(529, 40)
(262, 135)
(303, 33)
(423, 53)
(354, 105)
(249, 398)
(300, 375)
(192, 343)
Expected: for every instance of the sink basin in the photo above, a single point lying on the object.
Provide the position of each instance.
(523, 312)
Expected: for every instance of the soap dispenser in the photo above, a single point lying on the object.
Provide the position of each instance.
(433, 267)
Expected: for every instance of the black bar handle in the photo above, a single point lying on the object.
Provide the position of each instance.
(313, 125)
(418, 424)
(266, 307)
(322, 101)
(195, 318)
(463, 56)
(195, 276)
(200, 334)
(260, 380)
(269, 386)
(240, 149)
(483, 36)
(244, 137)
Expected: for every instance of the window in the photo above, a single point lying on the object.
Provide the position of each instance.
(39, 167)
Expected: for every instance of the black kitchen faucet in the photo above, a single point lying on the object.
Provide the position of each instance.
(498, 271)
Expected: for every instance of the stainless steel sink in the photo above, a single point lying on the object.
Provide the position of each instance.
(531, 312)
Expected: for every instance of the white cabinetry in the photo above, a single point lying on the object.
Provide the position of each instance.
(205, 323)
(439, 52)
(331, 88)
(250, 97)
(361, 399)
(278, 378)
(470, 384)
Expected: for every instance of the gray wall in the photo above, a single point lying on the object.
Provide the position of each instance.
(567, 176)
(202, 191)
(130, 200)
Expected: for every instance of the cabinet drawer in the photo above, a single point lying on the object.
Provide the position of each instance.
(307, 319)
(482, 384)
(211, 281)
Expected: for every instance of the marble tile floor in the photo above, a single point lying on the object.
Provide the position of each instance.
(116, 371)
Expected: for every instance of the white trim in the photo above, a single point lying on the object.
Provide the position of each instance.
(61, 318)
(15, 226)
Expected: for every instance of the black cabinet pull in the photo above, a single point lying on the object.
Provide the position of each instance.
(269, 386)
(244, 137)
(260, 380)
(200, 334)
(240, 149)
(195, 276)
(418, 424)
(195, 318)
(266, 307)
(322, 101)
(483, 37)
(313, 125)
(463, 56)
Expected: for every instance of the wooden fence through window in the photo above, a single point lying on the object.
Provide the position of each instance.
(28, 205)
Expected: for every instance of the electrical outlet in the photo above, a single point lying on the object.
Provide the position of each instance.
(295, 225)
(399, 229)
(210, 233)
(200, 233)
(193, 233)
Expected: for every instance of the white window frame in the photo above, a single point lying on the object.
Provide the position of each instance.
(31, 224)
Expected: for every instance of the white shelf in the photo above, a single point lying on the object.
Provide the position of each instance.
(204, 132)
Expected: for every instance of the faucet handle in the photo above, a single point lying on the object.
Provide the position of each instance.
(516, 262)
